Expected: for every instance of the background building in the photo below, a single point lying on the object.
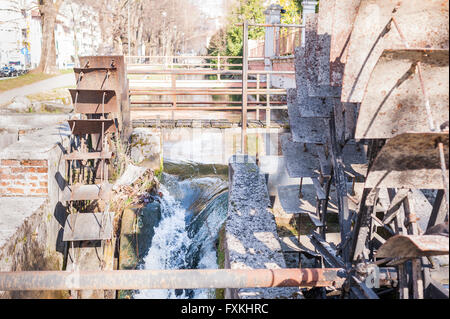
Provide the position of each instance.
(77, 32)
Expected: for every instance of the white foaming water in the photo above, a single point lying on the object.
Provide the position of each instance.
(172, 248)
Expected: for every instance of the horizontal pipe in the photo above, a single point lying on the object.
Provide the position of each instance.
(183, 64)
(202, 108)
(211, 102)
(269, 91)
(171, 279)
(272, 25)
(184, 56)
(206, 72)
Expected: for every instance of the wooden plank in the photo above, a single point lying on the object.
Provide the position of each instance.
(89, 226)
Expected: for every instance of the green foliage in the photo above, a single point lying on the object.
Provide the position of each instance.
(228, 41)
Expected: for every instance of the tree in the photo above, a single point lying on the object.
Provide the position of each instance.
(253, 12)
(48, 10)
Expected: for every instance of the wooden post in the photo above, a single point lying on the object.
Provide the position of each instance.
(268, 100)
(244, 89)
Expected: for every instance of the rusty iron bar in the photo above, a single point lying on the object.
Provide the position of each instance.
(444, 175)
(171, 279)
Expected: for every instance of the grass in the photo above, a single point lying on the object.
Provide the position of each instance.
(26, 79)
(54, 94)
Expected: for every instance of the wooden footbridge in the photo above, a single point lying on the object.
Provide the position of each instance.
(368, 120)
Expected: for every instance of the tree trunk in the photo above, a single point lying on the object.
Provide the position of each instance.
(48, 11)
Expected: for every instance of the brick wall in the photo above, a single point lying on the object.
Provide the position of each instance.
(23, 177)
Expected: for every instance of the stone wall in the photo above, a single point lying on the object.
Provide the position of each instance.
(251, 240)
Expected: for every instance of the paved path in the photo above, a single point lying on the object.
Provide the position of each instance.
(44, 85)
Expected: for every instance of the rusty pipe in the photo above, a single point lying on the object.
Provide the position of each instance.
(171, 279)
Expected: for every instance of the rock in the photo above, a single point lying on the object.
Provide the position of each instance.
(145, 150)
(20, 104)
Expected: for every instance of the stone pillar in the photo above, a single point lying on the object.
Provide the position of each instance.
(273, 16)
(309, 7)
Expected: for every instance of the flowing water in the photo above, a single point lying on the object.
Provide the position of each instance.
(192, 212)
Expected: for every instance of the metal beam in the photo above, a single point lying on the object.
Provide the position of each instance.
(171, 279)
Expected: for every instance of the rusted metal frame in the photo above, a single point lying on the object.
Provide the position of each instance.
(244, 88)
(438, 212)
(171, 279)
(328, 253)
(360, 289)
(362, 228)
(341, 192)
(403, 286)
(413, 229)
(394, 207)
(323, 217)
(444, 175)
